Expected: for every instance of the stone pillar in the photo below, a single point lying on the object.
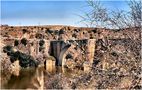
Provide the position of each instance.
(34, 48)
(47, 46)
(31, 48)
(32, 53)
(50, 65)
(91, 49)
(37, 47)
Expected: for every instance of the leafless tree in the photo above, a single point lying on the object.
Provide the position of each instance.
(97, 16)
(136, 12)
(102, 17)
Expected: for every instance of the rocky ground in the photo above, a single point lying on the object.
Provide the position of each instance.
(117, 59)
(117, 64)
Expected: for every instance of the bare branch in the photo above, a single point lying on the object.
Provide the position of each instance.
(101, 16)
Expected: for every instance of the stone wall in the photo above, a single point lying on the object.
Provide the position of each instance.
(81, 40)
(66, 32)
(80, 50)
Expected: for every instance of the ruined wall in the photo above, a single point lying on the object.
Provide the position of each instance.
(117, 58)
(79, 51)
(66, 32)
(74, 35)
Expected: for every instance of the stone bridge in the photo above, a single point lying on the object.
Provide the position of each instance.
(59, 49)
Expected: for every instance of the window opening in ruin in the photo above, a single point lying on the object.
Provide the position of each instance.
(24, 41)
(24, 31)
(94, 31)
(41, 42)
(16, 43)
(61, 31)
(74, 35)
(32, 44)
(69, 56)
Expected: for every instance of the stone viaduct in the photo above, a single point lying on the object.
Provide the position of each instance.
(58, 48)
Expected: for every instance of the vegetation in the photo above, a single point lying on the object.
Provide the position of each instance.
(116, 60)
(101, 16)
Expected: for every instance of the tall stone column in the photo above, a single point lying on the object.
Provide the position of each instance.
(37, 47)
(47, 46)
(50, 65)
(32, 49)
(32, 53)
(91, 50)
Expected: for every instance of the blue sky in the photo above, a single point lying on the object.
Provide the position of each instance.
(48, 12)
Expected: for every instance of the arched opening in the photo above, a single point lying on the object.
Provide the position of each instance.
(62, 56)
(24, 41)
(16, 43)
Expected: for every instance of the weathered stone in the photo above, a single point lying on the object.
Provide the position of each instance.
(50, 64)
(125, 83)
(91, 50)
(69, 56)
(87, 66)
(24, 59)
(70, 64)
(24, 41)
(16, 42)
(105, 73)
(15, 68)
(41, 42)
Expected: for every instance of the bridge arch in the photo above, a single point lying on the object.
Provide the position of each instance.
(62, 55)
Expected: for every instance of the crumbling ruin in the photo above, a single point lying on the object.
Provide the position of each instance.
(109, 58)
(56, 43)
